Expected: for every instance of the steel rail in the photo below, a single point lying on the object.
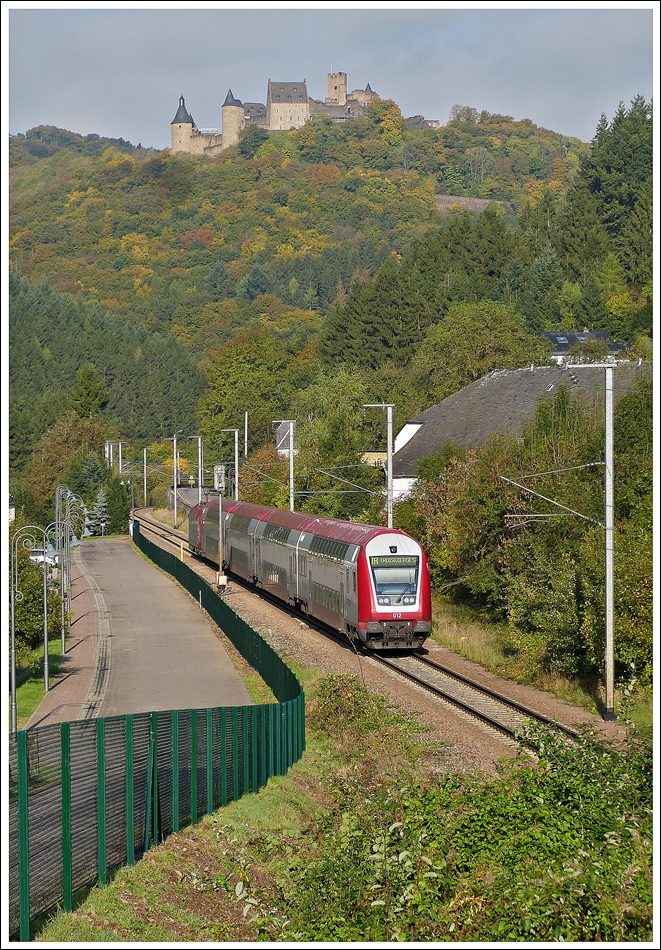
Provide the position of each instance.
(464, 703)
(499, 697)
(506, 704)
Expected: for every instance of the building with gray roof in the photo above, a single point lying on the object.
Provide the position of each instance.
(503, 401)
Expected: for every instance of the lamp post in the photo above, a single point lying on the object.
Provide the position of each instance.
(236, 461)
(200, 464)
(75, 513)
(144, 475)
(26, 537)
(74, 508)
(389, 407)
(174, 466)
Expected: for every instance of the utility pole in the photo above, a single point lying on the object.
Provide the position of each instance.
(389, 408)
(291, 423)
(200, 465)
(120, 444)
(174, 466)
(144, 475)
(608, 526)
(236, 461)
(609, 714)
(245, 436)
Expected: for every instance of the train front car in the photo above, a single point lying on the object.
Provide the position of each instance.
(394, 601)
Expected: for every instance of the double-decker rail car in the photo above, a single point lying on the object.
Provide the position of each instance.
(370, 582)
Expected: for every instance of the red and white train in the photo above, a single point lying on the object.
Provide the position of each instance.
(371, 583)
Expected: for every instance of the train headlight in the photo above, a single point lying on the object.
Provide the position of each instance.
(384, 601)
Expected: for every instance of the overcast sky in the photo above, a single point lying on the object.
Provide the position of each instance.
(119, 69)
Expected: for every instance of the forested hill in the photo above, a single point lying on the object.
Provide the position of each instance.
(152, 385)
(577, 259)
(193, 243)
(169, 257)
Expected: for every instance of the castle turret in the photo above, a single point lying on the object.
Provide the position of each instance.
(337, 89)
(182, 128)
(233, 120)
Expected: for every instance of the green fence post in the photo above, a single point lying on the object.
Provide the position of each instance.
(193, 767)
(101, 798)
(223, 756)
(209, 762)
(235, 754)
(175, 770)
(23, 835)
(130, 790)
(246, 749)
(148, 799)
(262, 717)
(65, 755)
(155, 802)
(254, 758)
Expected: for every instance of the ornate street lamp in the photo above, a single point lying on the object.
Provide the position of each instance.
(27, 537)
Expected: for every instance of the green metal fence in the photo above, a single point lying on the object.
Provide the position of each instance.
(88, 796)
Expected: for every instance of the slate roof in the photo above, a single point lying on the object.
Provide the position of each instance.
(182, 113)
(503, 401)
(563, 341)
(230, 100)
(254, 109)
(287, 91)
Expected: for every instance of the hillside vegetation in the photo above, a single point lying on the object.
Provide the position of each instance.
(306, 273)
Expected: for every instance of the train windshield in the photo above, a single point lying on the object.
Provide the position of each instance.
(395, 575)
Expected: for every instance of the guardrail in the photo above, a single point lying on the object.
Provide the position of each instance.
(86, 797)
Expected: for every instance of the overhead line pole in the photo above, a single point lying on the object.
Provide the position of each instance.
(291, 466)
(609, 714)
(236, 461)
(389, 408)
(608, 526)
(174, 466)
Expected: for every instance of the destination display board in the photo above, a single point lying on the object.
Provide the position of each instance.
(394, 560)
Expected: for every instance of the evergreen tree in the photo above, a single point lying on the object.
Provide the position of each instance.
(90, 393)
(618, 173)
(220, 282)
(540, 300)
(118, 495)
(593, 314)
(254, 284)
(581, 239)
(98, 516)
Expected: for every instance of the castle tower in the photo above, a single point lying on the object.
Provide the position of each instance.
(182, 128)
(233, 120)
(337, 89)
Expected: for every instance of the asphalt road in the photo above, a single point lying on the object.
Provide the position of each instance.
(164, 652)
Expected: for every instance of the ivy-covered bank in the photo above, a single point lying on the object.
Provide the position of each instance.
(372, 838)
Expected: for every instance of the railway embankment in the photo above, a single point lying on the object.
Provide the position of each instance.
(376, 835)
(475, 746)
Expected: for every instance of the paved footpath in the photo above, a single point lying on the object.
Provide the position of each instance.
(138, 643)
(65, 701)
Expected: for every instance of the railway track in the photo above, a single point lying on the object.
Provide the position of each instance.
(493, 709)
(500, 713)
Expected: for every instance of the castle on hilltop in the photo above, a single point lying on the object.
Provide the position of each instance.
(288, 106)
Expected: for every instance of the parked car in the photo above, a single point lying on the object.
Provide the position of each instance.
(40, 556)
